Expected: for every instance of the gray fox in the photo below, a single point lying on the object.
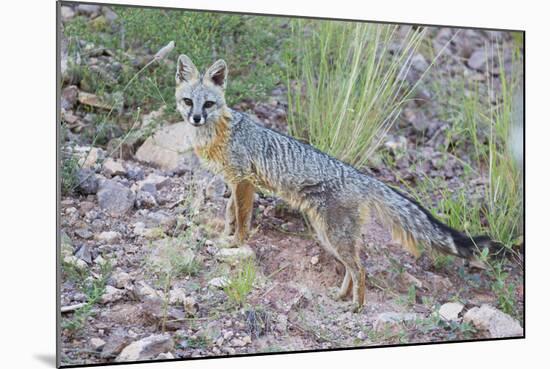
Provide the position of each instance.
(336, 197)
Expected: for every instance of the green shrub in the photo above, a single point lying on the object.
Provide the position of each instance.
(248, 44)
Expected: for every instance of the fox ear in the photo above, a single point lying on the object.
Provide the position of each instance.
(217, 73)
(186, 70)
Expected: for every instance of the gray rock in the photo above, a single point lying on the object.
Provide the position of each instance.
(235, 254)
(148, 187)
(139, 228)
(169, 148)
(153, 308)
(143, 291)
(145, 200)
(419, 63)
(111, 294)
(160, 219)
(229, 350)
(87, 9)
(115, 343)
(86, 206)
(84, 233)
(113, 168)
(121, 279)
(86, 98)
(134, 173)
(282, 323)
(88, 182)
(69, 96)
(191, 306)
(236, 342)
(84, 253)
(440, 283)
(148, 233)
(228, 335)
(450, 310)
(154, 179)
(97, 343)
(177, 296)
(494, 321)
(147, 348)
(67, 13)
(392, 319)
(88, 156)
(97, 224)
(115, 198)
(478, 60)
(410, 280)
(108, 236)
(109, 14)
(76, 262)
(165, 356)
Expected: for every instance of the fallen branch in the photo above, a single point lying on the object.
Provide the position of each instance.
(69, 308)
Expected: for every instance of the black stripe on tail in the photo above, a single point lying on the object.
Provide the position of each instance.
(466, 246)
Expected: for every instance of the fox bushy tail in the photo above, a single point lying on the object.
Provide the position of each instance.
(412, 224)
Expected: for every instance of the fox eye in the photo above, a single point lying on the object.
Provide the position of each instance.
(188, 102)
(209, 104)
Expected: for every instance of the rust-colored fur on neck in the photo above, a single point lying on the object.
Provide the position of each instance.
(215, 150)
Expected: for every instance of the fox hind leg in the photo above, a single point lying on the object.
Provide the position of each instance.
(346, 286)
(340, 238)
(349, 255)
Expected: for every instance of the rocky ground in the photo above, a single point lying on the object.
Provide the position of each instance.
(145, 271)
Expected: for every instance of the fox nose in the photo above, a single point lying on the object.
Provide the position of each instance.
(196, 118)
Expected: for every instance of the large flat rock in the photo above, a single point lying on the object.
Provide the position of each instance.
(169, 149)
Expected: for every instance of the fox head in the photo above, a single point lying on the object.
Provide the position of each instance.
(200, 98)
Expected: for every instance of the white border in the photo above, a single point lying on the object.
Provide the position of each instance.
(28, 182)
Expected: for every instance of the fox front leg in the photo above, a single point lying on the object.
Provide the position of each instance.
(238, 212)
(243, 194)
(230, 216)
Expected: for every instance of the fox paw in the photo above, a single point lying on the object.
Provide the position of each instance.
(227, 242)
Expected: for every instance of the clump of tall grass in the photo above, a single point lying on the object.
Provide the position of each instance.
(505, 192)
(484, 117)
(241, 283)
(350, 84)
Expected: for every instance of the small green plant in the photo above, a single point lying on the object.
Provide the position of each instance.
(500, 286)
(456, 330)
(241, 283)
(464, 329)
(69, 171)
(411, 295)
(274, 348)
(93, 288)
(442, 261)
(198, 342)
